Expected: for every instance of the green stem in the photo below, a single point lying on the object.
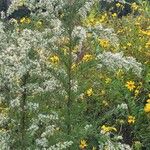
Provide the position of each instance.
(69, 102)
(23, 112)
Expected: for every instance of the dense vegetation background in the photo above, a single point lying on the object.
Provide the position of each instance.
(74, 75)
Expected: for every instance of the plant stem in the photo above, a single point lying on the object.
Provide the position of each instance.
(69, 102)
(23, 111)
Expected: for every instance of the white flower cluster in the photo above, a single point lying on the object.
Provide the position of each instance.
(122, 106)
(83, 11)
(15, 4)
(15, 59)
(115, 61)
(4, 140)
(100, 32)
(48, 124)
(49, 127)
(51, 7)
(61, 145)
(23, 55)
(79, 32)
(32, 106)
(88, 126)
(58, 146)
(114, 146)
(3, 119)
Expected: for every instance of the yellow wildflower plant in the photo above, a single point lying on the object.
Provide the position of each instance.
(54, 59)
(131, 119)
(114, 15)
(145, 32)
(106, 129)
(147, 45)
(89, 92)
(73, 67)
(130, 85)
(22, 20)
(28, 20)
(136, 92)
(147, 106)
(83, 144)
(134, 6)
(148, 101)
(118, 4)
(104, 43)
(87, 57)
(108, 80)
(25, 20)
(129, 44)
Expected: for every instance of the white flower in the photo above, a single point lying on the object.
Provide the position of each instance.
(43, 142)
(115, 61)
(122, 106)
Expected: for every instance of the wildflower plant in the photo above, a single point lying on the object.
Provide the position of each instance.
(61, 87)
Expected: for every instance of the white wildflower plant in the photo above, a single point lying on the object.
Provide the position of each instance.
(115, 61)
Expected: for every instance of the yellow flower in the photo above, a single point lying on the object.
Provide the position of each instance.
(104, 43)
(131, 119)
(148, 101)
(54, 59)
(130, 85)
(28, 20)
(147, 44)
(118, 4)
(25, 20)
(134, 6)
(106, 129)
(105, 103)
(114, 15)
(83, 144)
(147, 106)
(22, 20)
(87, 57)
(89, 92)
(73, 66)
(147, 32)
(108, 80)
(129, 44)
(102, 19)
(136, 92)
